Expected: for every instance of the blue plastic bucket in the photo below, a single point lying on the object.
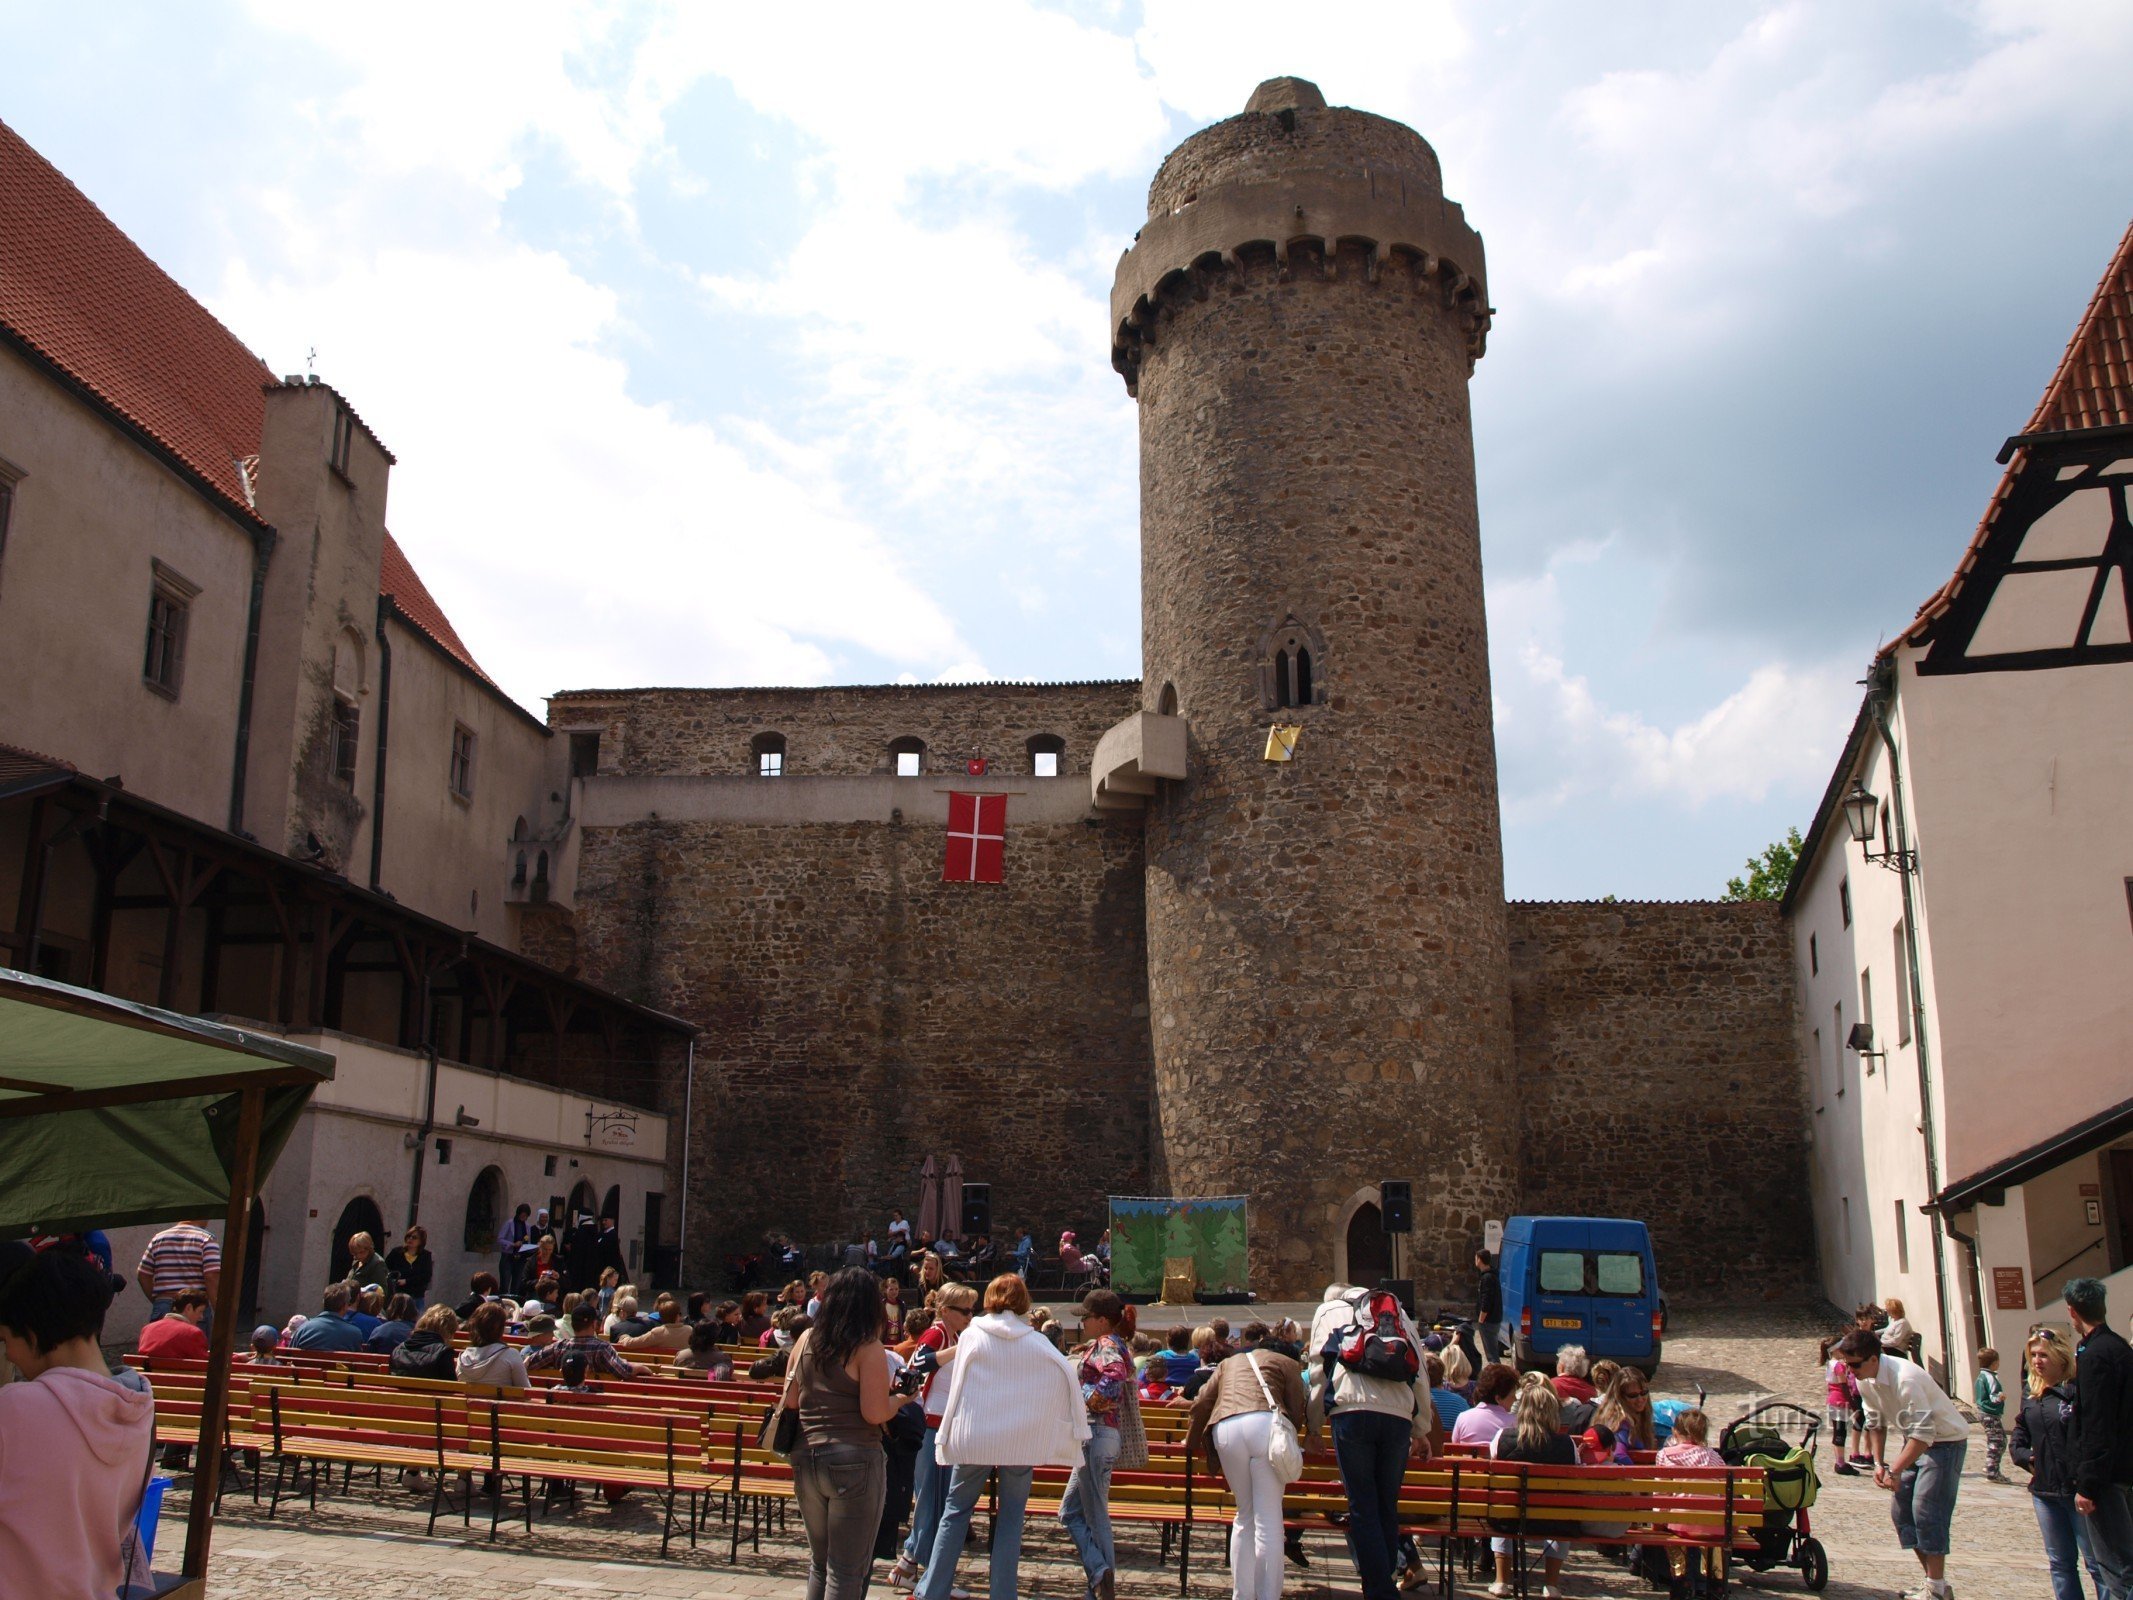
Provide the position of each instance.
(144, 1525)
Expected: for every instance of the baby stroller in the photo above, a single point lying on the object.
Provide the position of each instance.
(1780, 1438)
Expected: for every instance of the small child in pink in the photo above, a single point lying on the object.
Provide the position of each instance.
(1840, 1393)
(1690, 1447)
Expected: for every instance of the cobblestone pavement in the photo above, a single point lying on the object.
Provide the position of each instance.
(369, 1540)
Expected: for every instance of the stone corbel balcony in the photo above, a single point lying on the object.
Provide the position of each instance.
(1133, 757)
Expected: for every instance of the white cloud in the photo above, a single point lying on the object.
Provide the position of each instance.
(1559, 741)
(576, 535)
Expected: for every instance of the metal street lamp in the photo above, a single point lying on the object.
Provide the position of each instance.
(1862, 809)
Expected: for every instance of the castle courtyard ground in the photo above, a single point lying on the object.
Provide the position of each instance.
(369, 1543)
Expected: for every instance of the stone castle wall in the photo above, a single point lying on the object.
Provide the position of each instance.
(1658, 1077)
(709, 732)
(859, 1014)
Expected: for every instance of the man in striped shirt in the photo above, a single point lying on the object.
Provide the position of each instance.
(183, 1256)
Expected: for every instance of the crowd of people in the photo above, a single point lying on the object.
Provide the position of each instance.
(909, 1391)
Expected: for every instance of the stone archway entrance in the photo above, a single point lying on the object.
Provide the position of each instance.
(1368, 1251)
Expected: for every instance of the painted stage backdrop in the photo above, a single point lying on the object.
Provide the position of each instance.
(1146, 1230)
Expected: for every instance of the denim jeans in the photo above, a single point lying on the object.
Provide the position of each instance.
(2110, 1528)
(840, 1488)
(1924, 1503)
(1371, 1447)
(929, 1489)
(965, 1485)
(2066, 1543)
(1085, 1507)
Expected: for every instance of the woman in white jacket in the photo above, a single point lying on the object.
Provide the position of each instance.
(1014, 1403)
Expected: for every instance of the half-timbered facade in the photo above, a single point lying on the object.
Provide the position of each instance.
(1966, 970)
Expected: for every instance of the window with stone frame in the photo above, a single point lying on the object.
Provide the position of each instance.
(907, 756)
(767, 755)
(1292, 665)
(10, 475)
(462, 777)
(1047, 753)
(170, 601)
(344, 426)
(346, 735)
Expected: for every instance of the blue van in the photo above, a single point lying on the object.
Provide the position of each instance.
(1581, 1280)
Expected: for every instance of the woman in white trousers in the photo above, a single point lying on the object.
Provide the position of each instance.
(1232, 1417)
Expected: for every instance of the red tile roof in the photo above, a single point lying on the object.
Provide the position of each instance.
(2092, 388)
(87, 299)
(397, 578)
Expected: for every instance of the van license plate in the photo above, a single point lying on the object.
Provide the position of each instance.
(1561, 1322)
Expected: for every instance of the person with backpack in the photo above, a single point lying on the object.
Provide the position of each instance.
(1377, 1406)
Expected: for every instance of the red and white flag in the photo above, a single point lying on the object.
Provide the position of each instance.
(977, 838)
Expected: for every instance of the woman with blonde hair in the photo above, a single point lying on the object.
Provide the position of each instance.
(931, 1274)
(2043, 1443)
(1014, 1404)
(1535, 1436)
(1458, 1372)
(1626, 1408)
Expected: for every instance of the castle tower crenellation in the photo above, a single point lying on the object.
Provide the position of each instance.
(1328, 972)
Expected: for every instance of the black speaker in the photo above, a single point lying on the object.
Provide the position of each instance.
(1396, 1202)
(1403, 1290)
(977, 1210)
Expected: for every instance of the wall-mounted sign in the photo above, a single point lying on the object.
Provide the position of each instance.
(2095, 1189)
(2010, 1289)
(610, 1130)
(1492, 1236)
(2093, 1211)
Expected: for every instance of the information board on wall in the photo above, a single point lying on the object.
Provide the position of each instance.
(1148, 1230)
(2010, 1289)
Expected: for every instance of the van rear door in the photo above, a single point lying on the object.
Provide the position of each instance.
(1561, 1308)
(1623, 1293)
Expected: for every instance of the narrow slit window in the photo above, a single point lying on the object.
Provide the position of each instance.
(347, 733)
(462, 761)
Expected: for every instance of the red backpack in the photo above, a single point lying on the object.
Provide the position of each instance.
(1376, 1343)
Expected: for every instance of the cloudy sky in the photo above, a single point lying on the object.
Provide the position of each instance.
(728, 344)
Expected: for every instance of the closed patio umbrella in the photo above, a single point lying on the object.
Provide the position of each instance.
(929, 1198)
(952, 1198)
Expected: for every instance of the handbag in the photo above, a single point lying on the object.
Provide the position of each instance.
(1132, 1430)
(1284, 1451)
(780, 1432)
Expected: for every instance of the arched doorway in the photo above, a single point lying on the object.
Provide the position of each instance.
(1369, 1251)
(485, 1211)
(612, 1205)
(583, 1198)
(360, 1215)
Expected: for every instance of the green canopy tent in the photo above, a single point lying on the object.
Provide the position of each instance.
(118, 1114)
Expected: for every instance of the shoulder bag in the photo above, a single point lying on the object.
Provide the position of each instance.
(1284, 1451)
(1132, 1431)
(780, 1432)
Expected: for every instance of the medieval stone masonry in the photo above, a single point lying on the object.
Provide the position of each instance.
(1290, 979)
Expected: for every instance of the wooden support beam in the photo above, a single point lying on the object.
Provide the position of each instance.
(214, 1400)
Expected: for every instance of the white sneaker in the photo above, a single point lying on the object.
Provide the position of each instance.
(904, 1575)
(1550, 1592)
(1502, 1591)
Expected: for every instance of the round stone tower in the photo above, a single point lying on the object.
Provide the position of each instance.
(1328, 979)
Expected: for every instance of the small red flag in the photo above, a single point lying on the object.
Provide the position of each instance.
(976, 766)
(977, 838)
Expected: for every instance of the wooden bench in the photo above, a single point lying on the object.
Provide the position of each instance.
(565, 1440)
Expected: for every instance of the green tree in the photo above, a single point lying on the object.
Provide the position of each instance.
(1769, 872)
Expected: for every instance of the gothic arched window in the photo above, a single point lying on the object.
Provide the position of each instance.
(1292, 665)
